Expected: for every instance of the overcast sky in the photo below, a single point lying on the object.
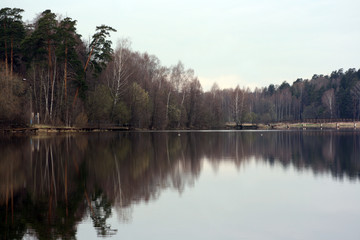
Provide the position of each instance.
(252, 43)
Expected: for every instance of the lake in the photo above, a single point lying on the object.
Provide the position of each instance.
(181, 185)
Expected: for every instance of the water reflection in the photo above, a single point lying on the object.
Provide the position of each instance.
(48, 185)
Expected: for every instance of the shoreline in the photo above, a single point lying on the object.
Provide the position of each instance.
(48, 129)
(307, 125)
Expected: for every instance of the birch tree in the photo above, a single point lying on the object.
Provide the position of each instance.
(328, 99)
(238, 104)
(44, 37)
(180, 79)
(175, 83)
(118, 74)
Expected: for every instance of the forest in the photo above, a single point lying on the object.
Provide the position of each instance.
(50, 75)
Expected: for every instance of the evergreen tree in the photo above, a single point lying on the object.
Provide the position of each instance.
(101, 50)
(68, 39)
(12, 32)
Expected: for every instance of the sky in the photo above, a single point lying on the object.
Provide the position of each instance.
(250, 43)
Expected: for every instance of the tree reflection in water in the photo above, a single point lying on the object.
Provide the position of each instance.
(48, 185)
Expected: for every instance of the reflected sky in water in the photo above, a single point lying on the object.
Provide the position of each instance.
(199, 185)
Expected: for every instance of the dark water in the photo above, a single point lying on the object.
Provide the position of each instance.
(192, 185)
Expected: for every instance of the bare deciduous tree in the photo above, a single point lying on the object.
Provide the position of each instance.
(328, 99)
(117, 74)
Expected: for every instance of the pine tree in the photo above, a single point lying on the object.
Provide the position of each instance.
(100, 53)
(12, 32)
(68, 39)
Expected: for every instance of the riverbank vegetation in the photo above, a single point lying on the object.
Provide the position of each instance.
(50, 75)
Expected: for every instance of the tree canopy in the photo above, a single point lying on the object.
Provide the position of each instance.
(54, 67)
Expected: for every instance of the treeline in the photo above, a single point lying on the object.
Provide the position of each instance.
(322, 97)
(47, 68)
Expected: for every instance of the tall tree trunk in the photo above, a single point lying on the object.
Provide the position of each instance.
(50, 76)
(37, 99)
(52, 91)
(167, 107)
(85, 67)
(118, 74)
(49, 55)
(76, 94)
(46, 96)
(242, 106)
(237, 107)
(65, 74)
(65, 87)
(89, 57)
(181, 107)
(6, 56)
(6, 61)
(40, 93)
(12, 57)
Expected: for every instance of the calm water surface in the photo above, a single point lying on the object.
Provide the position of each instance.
(187, 185)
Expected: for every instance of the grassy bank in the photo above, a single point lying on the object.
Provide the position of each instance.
(330, 125)
(48, 129)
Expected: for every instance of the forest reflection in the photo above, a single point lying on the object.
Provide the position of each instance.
(48, 185)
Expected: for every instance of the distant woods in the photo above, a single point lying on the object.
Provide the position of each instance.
(46, 68)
